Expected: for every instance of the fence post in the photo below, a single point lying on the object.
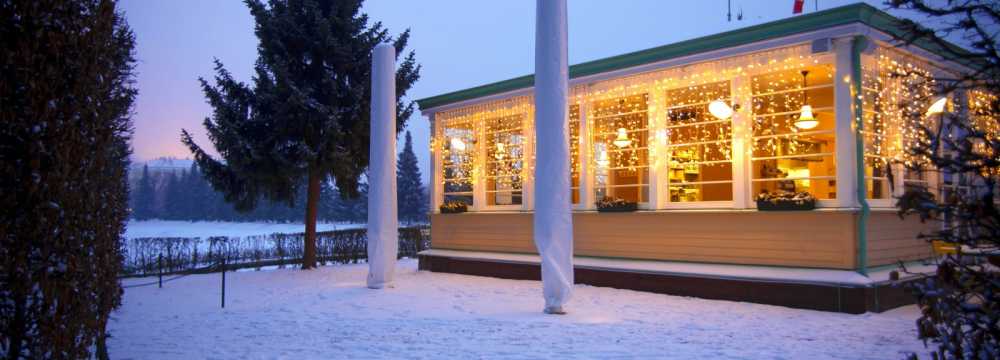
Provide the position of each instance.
(223, 282)
(159, 266)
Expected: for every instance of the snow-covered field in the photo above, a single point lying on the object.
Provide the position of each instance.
(166, 228)
(328, 313)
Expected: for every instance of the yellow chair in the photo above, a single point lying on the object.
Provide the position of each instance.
(944, 248)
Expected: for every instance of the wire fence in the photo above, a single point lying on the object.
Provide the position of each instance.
(189, 255)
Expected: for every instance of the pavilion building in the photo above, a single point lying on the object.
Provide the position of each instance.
(691, 134)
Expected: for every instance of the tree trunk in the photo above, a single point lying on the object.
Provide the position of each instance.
(102, 341)
(17, 326)
(312, 202)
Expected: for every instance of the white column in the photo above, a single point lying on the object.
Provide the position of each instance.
(553, 221)
(383, 226)
(742, 132)
(844, 117)
(479, 171)
(436, 186)
(659, 189)
(586, 175)
(528, 162)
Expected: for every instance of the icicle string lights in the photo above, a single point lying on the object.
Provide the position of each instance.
(497, 162)
(665, 114)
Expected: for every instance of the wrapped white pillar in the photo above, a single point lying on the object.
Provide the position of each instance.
(553, 221)
(383, 230)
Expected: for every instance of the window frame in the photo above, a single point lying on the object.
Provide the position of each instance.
(645, 182)
(828, 61)
(487, 160)
(667, 146)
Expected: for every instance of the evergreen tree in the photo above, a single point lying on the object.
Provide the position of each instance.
(173, 197)
(412, 205)
(194, 192)
(306, 116)
(353, 210)
(66, 89)
(960, 301)
(144, 196)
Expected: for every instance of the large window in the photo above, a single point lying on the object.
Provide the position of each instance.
(793, 132)
(896, 96)
(620, 148)
(875, 136)
(504, 160)
(699, 144)
(458, 153)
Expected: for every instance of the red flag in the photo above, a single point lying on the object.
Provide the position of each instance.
(797, 9)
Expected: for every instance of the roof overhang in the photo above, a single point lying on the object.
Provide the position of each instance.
(855, 19)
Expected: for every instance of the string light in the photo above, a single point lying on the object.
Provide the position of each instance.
(690, 110)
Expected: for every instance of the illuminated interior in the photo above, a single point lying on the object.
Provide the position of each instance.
(699, 144)
(619, 139)
(504, 160)
(458, 161)
(712, 134)
(787, 157)
(898, 90)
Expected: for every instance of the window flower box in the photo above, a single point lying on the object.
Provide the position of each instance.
(616, 205)
(785, 201)
(454, 207)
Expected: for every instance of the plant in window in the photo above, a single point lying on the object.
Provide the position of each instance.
(609, 204)
(454, 207)
(785, 200)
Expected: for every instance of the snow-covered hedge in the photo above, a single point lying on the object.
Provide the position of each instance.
(183, 254)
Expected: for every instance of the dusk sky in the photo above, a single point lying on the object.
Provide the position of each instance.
(460, 44)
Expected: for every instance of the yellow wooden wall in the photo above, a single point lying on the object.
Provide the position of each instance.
(891, 239)
(823, 239)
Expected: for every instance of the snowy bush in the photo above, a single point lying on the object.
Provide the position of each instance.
(186, 254)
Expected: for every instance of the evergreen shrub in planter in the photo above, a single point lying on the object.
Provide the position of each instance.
(608, 204)
(785, 201)
(454, 207)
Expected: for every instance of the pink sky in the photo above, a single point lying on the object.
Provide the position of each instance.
(459, 43)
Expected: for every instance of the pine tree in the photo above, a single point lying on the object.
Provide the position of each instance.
(960, 301)
(353, 210)
(306, 116)
(409, 187)
(173, 198)
(195, 194)
(144, 197)
(66, 89)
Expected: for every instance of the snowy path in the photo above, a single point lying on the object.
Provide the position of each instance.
(327, 313)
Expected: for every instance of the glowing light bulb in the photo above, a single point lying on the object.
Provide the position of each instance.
(937, 107)
(806, 119)
(720, 109)
(501, 150)
(622, 140)
(457, 144)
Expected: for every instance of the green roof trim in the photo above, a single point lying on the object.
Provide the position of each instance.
(855, 13)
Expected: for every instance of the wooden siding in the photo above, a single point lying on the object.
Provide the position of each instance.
(891, 239)
(822, 239)
(504, 232)
(810, 239)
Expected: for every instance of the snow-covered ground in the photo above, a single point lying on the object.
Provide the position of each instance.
(166, 228)
(328, 313)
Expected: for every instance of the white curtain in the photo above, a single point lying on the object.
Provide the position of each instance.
(383, 230)
(553, 221)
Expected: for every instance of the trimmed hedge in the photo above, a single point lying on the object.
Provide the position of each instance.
(182, 254)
